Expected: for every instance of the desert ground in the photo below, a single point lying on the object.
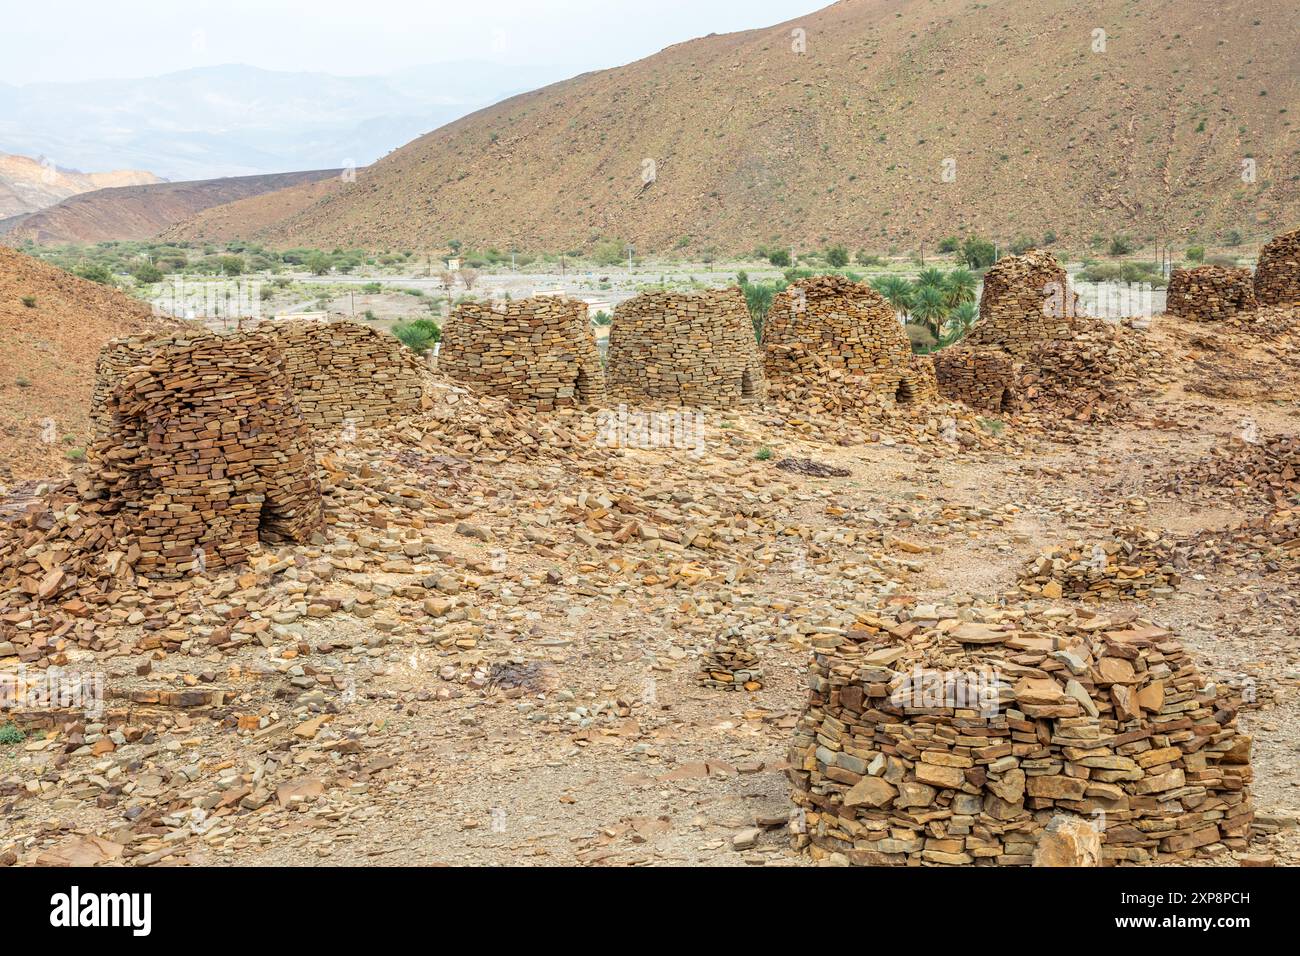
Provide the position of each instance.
(493, 654)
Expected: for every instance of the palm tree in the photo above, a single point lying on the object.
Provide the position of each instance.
(960, 320)
(929, 308)
(930, 277)
(897, 292)
(959, 286)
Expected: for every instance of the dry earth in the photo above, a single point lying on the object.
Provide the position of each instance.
(493, 657)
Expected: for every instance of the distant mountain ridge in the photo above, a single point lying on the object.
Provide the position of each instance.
(213, 122)
(28, 184)
(142, 212)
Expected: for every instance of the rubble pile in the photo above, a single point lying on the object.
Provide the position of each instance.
(731, 664)
(1210, 293)
(928, 738)
(1266, 468)
(840, 344)
(685, 348)
(1133, 562)
(537, 352)
(1090, 378)
(346, 373)
(1277, 272)
(984, 378)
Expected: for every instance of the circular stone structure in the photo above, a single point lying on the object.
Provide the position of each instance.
(686, 348)
(832, 328)
(1277, 273)
(1210, 293)
(346, 373)
(929, 739)
(538, 351)
(1026, 300)
(982, 377)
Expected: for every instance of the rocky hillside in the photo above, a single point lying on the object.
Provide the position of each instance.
(27, 184)
(141, 212)
(52, 325)
(900, 122)
(250, 218)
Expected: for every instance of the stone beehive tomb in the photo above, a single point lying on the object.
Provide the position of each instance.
(205, 452)
(202, 454)
(829, 330)
(1026, 300)
(339, 372)
(1277, 273)
(344, 372)
(982, 377)
(687, 348)
(942, 741)
(1210, 293)
(538, 352)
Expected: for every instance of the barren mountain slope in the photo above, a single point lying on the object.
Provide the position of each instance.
(47, 359)
(141, 212)
(250, 218)
(846, 142)
(27, 185)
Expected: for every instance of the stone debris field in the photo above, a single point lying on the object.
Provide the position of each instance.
(813, 600)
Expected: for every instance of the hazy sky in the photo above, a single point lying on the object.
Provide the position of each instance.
(95, 39)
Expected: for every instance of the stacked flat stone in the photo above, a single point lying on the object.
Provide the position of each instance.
(206, 453)
(1026, 300)
(1131, 563)
(345, 372)
(731, 664)
(928, 739)
(685, 348)
(538, 352)
(828, 333)
(1210, 293)
(1277, 273)
(984, 378)
(115, 358)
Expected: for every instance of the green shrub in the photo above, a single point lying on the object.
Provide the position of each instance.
(75, 454)
(950, 244)
(779, 258)
(763, 454)
(1120, 245)
(978, 253)
(10, 734)
(29, 301)
(372, 288)
(837, 256)
(1196, 253)
(419, 335)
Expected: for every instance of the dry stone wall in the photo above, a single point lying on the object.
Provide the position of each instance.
(687, 348)
(345, 372)
(1026, 300)
(829, 332)
(937, 740)
(340, 372)
(1277, 273)
(206, 453)
(1210, 293)
(982, 377)
(538, 352)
